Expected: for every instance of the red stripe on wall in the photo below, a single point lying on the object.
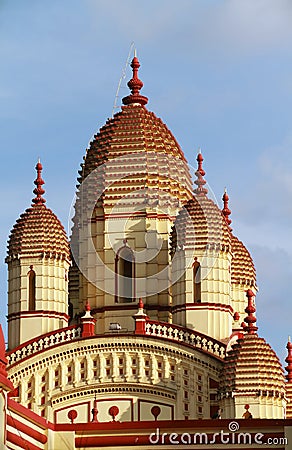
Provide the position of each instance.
(26, 429)
(21, 442)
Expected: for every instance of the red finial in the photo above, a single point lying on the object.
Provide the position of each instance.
(141, 304)
(226, 211)
(200, 182)
(289, 361)
(250, 310)
(39, 191)
(87, 306)
(135, 85)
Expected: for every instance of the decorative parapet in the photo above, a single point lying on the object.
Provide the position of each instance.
(190, 337)
(45, 341)
(152, 328)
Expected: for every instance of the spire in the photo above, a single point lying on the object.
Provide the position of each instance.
(289, 361)
(251, 328)
(226, 211)
(135, 85)
(39, 191)
(200, 173)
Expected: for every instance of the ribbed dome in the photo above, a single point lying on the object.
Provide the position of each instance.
(38, 231)
(253, 366)
(200, 225)
(242, 268)
(144, 150)
(141, 154)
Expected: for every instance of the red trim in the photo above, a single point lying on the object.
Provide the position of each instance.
(131, 214)
(28, 414)
(175, 424)
(202, 305)
(20, 426)
(130, 306)
(21, 442)
(6, 383)
(117, 274)
(38, 313)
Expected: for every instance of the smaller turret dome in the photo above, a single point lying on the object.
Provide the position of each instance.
(242, 268)
(200, 224)
(38, 231)
(252, 368)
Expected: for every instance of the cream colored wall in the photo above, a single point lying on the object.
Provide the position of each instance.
(168, 374)
(261, 407)
(144, 236)
(215, 289)
(239, 300)
(51, 295)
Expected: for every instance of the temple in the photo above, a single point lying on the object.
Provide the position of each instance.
(140, 329)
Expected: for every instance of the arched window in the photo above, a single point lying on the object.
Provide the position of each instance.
(31, 289)
(196, 282)
(125, 275)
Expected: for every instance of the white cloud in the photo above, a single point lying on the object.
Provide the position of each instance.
(229, 26)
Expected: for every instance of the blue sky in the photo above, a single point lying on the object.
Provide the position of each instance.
(219, 74)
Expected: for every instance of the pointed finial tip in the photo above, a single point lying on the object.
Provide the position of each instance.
(135, 85)
(135, 53)
(39, 191)
(225, 190)
(289, 338)
(200, 182)
(87, 306)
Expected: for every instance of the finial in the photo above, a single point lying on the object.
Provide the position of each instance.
(141, 304)
(251, 328)
(289, 360)
(226, 211)
(200, 182)
(39, 191)
(135, 85)
(87, 306)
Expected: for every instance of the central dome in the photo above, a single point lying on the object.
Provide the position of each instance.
(137, 145)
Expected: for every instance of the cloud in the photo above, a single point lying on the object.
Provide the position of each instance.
(274, 271)
(196, 27)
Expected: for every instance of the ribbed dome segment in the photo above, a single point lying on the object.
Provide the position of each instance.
(152, 157)
(252, 366)
(38, 231)
(200, 225)
(242, 268)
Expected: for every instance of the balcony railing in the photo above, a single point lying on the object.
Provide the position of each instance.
(43, 342)
(190, 337)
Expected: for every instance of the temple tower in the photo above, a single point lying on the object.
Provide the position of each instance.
(38, 264)
(133, 181)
